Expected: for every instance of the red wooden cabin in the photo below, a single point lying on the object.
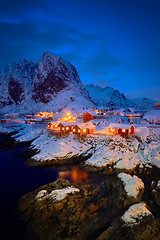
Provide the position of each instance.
(123, 129)
(84, 128)
(65, 127)
(53, 125)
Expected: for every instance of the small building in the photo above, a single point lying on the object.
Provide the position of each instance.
(121, 128)
(65, 127)
(46, 119)
(4, 120)
(53, 125)
(28, 116)
(157, 105)
(84, 128)
(87, 117)
(44, 114)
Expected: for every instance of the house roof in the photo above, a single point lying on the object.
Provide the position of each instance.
(120, 126)
(67, 123)
(89, 125)
(54, 122)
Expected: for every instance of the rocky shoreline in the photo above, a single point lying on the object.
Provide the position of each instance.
(95, 211)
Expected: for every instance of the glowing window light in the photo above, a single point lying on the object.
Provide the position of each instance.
(111, 129)
(67, 128)
(79, 130)
(65, 118)
(74, 130)
(55, 125)
(62, 128)
(123, 130)
(84, 130)
(59, 128)
(68, 113)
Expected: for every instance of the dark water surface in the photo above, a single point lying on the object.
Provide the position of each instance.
(16, 179)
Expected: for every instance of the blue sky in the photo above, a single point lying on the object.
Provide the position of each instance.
(115, 43)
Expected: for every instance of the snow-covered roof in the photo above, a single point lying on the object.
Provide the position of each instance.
(120, 125)
(68, 123)
(54, 122)
(86, 125)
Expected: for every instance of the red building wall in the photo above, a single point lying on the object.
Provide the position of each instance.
(87, 117)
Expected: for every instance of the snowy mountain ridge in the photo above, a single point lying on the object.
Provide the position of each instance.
(110, 97)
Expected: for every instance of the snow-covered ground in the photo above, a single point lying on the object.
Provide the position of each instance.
(143, 148)
(135, 214)
(152, 116)
(50, 147)
(133, 185)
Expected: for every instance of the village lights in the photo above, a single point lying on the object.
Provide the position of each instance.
(68, 114)
(84, 130)
(67, 128)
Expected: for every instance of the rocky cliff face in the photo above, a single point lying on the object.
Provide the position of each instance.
(24, 82)
(52, 75)
(21, 81)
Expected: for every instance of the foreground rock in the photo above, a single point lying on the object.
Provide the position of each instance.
(137, 223)
(61, 211)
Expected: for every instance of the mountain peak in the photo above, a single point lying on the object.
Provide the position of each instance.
(41, 82)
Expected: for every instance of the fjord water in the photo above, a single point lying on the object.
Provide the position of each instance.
(16, 179)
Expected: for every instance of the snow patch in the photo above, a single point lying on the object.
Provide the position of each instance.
(132, 184)
(135, 214)
(56, 195)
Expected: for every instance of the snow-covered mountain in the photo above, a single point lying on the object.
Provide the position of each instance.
(110, 97)
(51, 84)
(107, 96)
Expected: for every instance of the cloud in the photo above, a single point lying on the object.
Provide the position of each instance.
(100, 63)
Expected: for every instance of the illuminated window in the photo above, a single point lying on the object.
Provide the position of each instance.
(79, 130)
(59, 128)
(55, 125)
(123, 130)
(74, 130)
(68, 113)
(65, 119)
(84, 130)
(67, 128)
(111, 129)
(62, 128)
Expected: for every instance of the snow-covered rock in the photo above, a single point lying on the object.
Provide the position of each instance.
(56, 195)
(51, 148)
(133, 185)
(135, 214)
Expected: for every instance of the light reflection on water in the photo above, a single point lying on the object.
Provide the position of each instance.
(74, 175)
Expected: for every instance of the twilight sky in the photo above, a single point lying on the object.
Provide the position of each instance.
(110, 42)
